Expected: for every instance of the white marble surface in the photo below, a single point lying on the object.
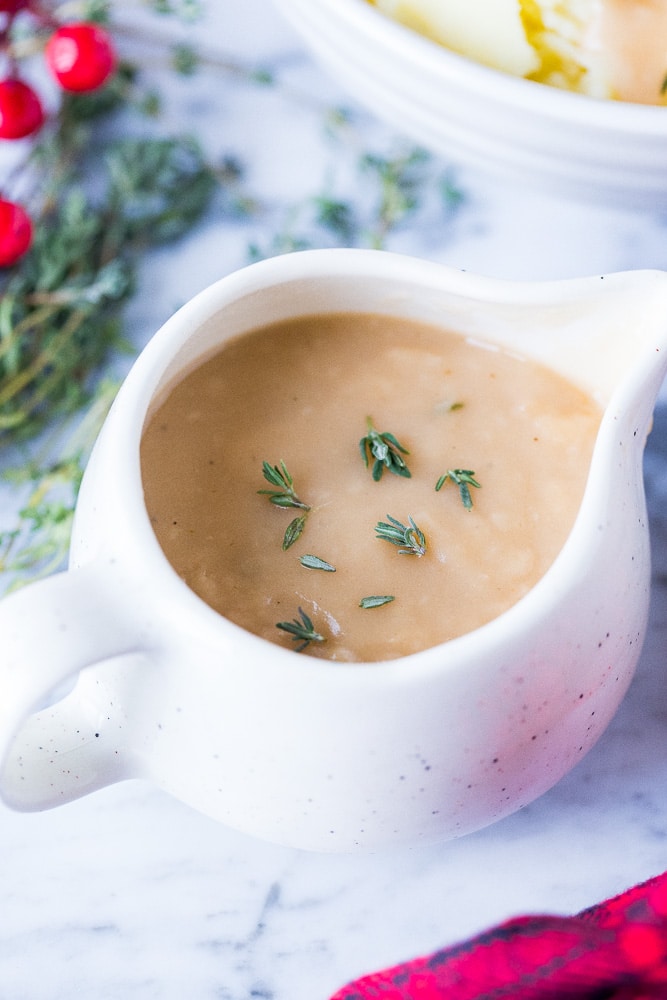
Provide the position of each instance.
(129, 894)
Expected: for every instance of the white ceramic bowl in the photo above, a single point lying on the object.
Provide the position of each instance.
(603, 151)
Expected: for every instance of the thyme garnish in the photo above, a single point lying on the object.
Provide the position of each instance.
(386, 451)
(302, 631)
(410, 538)
(464, 479)
(376, 601)
(294, 531)
(283, 494)
(314, 562)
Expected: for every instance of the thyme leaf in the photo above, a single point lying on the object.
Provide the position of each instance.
(314, 562)
(385, 451)
(294, 531)
(376, 601)
(464, 479)
(302, 630)
(409, 538)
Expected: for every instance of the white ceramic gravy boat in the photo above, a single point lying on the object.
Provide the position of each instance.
(307, 752)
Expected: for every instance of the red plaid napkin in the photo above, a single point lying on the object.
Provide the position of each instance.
(616, 950)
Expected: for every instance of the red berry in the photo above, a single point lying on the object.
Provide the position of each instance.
(15, 232)
(80, 56)
(21, 110)
(12, 6)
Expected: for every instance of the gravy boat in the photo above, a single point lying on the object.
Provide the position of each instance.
(312, 753)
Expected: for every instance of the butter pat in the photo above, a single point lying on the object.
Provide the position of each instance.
(614, 49)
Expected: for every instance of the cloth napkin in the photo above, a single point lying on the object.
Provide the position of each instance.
(616, 950)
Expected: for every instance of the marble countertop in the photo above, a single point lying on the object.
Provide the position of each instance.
(128, 893)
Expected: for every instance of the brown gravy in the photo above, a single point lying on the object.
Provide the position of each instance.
(301, 392)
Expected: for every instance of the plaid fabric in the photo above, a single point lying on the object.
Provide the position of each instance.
(616, 950)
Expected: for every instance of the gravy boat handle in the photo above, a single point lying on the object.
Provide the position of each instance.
(51, 631)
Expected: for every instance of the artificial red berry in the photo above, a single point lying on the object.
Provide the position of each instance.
(12, 6)
(15, 232)
(80, 56)
(21, 111)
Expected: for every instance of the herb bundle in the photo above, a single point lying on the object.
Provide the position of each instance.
(60, 307)
(102, 185)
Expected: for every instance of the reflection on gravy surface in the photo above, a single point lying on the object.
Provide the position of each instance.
(301, 393)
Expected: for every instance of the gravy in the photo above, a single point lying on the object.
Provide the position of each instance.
(300, 392)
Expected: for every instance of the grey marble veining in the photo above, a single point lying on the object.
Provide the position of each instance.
(129, 894)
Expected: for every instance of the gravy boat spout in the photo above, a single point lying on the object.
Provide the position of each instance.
(560, 660)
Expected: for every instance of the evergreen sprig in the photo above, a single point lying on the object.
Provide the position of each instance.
(60, 312)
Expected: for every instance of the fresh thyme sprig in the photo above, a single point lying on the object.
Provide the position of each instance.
(464, 479)
(409, 537)
(38, 543)
(386, 452)
(395, 190)
(283, 494)
(60, 312)
(302, 631)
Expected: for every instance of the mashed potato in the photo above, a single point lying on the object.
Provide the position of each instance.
(604, 48)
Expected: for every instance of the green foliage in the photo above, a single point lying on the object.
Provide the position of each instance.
(38, 543)
(187, 10)
(393, 189)
(60, 312)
